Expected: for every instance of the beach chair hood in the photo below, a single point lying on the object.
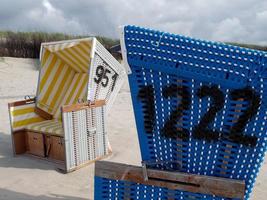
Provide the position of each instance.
(67, 75)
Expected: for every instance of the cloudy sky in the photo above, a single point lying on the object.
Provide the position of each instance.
(221, 20)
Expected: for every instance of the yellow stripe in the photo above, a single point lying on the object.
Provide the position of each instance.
(84, 57)
(45, 56)
(47, 73)
(22, 111)
(81, 62)
(52, 83)
(45, 125)
(27, 121)
(64, 95)
(86, 48)
(60, 88)
(73, 90)
(36, 126)
(81, 89)
(67, 59)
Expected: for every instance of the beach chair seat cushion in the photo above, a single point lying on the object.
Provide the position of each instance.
(49, 127)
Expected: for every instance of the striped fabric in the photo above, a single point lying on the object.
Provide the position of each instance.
(76, 90)
(23, 115)
(52, 127)
(75, 54)
(63, 77)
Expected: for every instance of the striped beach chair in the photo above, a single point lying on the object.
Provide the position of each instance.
(76, 74)
(200, 110)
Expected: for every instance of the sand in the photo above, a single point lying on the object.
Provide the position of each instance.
(22, 178)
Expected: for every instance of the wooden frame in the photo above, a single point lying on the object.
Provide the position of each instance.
(223, 187)
(80, 106)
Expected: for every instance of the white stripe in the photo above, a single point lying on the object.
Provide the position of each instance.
(72, 44)
(46, 64)
(77, 89)
(73, 60)
(25, 116)
(48, 127)
(43, 124)
(49, 80)
(82, 95)
(68, 61)
(77, 48)
(86, 47)
(63, 102)
(56, 86)
(53, 128)
(64, 91)
(82, 60)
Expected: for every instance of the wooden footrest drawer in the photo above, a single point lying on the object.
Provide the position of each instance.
(55, 148)
(35, 144)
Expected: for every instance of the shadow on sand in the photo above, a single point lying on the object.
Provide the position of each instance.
(7, 159)
(8, 194)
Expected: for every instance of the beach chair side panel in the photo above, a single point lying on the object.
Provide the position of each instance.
(106, 76)
(85, 134)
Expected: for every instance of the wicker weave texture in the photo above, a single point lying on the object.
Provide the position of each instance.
(85, 136)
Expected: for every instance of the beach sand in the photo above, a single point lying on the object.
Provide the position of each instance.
(23, 178)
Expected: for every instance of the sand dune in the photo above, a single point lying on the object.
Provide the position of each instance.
(25, 179)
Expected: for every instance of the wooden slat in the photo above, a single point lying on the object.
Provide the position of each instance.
(43, 113)
(19, 141)
(222, 187)
(81, 106)
(21, 103)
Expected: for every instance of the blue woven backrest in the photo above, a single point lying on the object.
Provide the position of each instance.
(199, 106)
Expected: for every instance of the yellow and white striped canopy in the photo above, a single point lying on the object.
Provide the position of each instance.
(63, 75)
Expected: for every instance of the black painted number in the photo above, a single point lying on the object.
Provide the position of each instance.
(201, 131)
(114, 79)
(146, 95)
(170, 128)
(217, 97)
(101, 76)
(238, 128)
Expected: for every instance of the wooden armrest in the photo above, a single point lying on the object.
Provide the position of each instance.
(81, 106)
(22, 102)
(43, 113)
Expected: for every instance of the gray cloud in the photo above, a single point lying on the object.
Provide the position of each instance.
(223, 20)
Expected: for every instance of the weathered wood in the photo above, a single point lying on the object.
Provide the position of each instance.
(228, 188)
(81, 106)
(43, 113)
(19, 142)
(20, 103)
(55, 148)
(35, 143)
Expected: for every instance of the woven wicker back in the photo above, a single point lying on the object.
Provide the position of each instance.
(85, 133)
(199, 106)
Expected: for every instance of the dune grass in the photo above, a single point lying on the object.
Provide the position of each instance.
(250, 46)
(27, 44)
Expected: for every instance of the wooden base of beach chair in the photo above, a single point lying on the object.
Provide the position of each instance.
(39, 145)
(47, 148)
